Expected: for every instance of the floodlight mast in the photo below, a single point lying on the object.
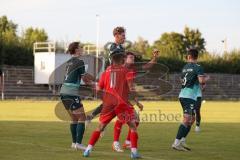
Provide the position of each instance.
(97, 41)
(97, 46)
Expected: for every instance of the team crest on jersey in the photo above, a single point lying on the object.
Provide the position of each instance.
(76, 100)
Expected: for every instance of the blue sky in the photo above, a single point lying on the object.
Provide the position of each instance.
(71, 20)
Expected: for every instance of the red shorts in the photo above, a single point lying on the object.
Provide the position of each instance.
(124, 112)
(106, 117)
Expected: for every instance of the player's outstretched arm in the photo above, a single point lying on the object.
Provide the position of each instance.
(152, 61)
(97, 110)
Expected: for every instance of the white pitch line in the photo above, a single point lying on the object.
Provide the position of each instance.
(66, 149)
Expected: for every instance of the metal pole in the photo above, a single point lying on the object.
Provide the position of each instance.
(97, 42)
(97, 46)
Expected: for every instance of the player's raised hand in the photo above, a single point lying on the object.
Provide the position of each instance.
(155, 53)
(207, 77)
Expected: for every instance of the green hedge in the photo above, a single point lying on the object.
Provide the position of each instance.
(16, 56)
(228, 63)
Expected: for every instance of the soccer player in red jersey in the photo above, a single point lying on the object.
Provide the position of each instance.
(130, 64)
(116, 83)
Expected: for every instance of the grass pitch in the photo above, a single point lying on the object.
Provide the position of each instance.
(32, 131)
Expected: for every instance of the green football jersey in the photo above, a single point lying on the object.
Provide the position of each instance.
(115, 46)
(190, 83)
(74, 70)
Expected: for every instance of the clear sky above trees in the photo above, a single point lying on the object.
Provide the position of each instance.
(76, 20)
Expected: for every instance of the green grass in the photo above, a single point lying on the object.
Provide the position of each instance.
(31, 131)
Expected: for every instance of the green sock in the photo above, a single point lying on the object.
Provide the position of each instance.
(188, 128)
(73, 129)
(181, 131)
(80, 132)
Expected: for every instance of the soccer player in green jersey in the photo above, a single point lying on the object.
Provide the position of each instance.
(119, 34)
(192, 75)
(70, 94)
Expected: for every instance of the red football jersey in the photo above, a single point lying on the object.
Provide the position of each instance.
(114, 82)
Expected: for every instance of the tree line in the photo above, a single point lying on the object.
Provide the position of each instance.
(17, 49)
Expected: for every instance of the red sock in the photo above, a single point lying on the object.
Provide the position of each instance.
(134, 139)
(117, 130)
(129, 132)
(94, 138)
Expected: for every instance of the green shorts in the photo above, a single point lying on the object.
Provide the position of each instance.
(188, 106)
(71, 102)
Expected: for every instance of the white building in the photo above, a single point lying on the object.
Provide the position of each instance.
(49, 64)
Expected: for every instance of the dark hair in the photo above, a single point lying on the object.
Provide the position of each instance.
(118, 30)
(117, 58)
(193, 53)
(130, 53)
(72, 47)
